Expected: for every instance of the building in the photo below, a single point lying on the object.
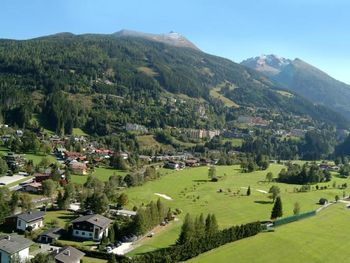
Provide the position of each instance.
(91, 227)
(51, 235)
(78, 167)
(125, 213)
(68, 255)
(14, 247)
(26, 221)
(34, 187)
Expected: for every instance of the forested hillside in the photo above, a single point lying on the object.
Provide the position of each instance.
(101, 82)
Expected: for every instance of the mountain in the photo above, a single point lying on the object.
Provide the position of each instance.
(101, 82)
(306, 80)
(270, 65)
(172, 38)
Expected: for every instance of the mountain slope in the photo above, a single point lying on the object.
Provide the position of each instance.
(101, 82)
(306, 80)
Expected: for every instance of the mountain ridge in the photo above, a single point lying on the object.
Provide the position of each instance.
(308, 81)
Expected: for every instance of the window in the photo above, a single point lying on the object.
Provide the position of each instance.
(83, 233)
(19, 222)
(90, 234)
(76, 232)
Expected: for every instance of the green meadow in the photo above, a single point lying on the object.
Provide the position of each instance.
(100, 172)
(193, 193)
(322, 238)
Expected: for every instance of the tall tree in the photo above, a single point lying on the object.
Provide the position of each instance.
(187, 231)
(277, 209)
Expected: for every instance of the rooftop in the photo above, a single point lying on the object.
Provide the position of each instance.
(95, 219)
(14, 243)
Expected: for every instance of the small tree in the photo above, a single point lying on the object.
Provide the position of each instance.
(269, 177)
(123, 199)
(336, 198)
(277, 209)
(296, 209)
(274, 192)
(248, 191)
(212, 174)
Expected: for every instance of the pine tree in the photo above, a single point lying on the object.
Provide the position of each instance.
(187, 231)
(277, 209)
(248, 191)
(111, 234)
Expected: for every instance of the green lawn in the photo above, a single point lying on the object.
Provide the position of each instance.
(30, 156)
(100, 172)
(79, 132)
(235, 141)
(93, 260)
(323, 238)
(192, 193)
(61, 216)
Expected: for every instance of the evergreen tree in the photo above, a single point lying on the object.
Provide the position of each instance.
(187, 231)
(248, 191)
(111, 234)
(277, 209)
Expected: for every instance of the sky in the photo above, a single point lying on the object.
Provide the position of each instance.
(316, 31)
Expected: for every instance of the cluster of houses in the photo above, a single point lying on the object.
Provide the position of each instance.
(87, 227)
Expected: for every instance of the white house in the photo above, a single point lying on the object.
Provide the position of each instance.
(14, 247)
(32, 219)
(91, 227)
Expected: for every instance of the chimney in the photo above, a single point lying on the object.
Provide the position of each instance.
(8, 237)
(67, 252)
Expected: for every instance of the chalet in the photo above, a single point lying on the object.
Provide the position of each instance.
(74, 156)
(51, 235)
(30, 220)
(125, 213)
(14, 160)
(91, 227)
(192, 163)
(40, 177)
(68, 255)
(14, 247)
(34, 187)
(78, 167)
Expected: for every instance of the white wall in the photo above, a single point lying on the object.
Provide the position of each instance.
(23, 255)
(21, 225)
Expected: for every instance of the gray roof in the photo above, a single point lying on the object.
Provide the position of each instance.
(14, 243)
(31, 216)
(54, 233)
(95, 219)
(69, 255)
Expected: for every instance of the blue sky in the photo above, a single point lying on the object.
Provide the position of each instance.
(316, 31)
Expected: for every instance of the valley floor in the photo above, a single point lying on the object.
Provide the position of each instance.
(323, 238)
(192, 192)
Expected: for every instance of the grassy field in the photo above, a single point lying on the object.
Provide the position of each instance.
(323, 238)
(79, 132)
(93, 260)
(101, 173)
(215, 93)
(62, 217)
(193, 193)
(148, 142)
(30, 156)
(235, 141)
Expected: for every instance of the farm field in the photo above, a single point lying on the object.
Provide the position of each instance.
(193, 193)
(101, 173)
(322, 238)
